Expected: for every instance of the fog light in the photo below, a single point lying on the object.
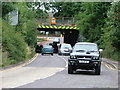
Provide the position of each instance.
(72, 61)
(72, 57)
(95, 58)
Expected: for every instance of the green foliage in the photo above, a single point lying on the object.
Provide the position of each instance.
(13, 43)
(66, 9)
(91, 19)
(61, 9)
(18, 41)
(40, 13)
(100, 22)
(30, 36)
(5, 61)
(111, 36)
(27, 24)
(115, 19)
(36, 7)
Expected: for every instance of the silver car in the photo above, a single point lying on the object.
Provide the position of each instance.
(56, 40)
(65, 49)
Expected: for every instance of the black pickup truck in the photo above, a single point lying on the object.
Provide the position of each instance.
(85, 56)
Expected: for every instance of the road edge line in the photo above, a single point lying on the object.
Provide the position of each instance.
(23, 64)
(66, 63)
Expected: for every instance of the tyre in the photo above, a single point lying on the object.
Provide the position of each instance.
(41, 53)
(52, 54)
(98, 70)
(70, 69)
(59, 53)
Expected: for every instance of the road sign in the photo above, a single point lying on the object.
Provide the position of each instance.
(53, 21)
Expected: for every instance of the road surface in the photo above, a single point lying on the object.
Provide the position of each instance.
(51, 72)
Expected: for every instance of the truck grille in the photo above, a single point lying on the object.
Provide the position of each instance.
(83, 57)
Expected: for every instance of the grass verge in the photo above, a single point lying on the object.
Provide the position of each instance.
(6, 60)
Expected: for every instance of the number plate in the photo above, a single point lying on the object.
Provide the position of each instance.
(83, 61)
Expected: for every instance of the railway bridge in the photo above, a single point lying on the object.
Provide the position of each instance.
(66, 25)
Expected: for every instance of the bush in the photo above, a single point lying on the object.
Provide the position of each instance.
(30, 33)
(111, 52)
(13, 43)
(5, 60)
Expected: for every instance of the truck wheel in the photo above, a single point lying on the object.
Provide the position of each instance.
(59, 53)
(42, 54)
(52, 54)
(70, 69)
(97, 70)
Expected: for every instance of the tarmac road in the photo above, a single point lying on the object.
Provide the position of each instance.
(51, 72)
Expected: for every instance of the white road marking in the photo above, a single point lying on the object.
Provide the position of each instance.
(66, 62)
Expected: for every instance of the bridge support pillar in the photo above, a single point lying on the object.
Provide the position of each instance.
(71, 37)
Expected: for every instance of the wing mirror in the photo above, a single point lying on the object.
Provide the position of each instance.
(100, 50)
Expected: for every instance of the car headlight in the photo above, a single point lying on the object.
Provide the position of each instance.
(95, 57)
(73, 57)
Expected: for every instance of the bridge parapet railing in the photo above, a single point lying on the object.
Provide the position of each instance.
(59, 20)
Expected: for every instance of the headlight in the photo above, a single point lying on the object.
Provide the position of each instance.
(95, 57)
(73, 57)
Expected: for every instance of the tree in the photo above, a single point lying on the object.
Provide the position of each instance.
(66, 9)
(92, 18)
(13, 43)
(115, 19)
(36, 7)
(18, 41)
(27, 23)
(6, 8)
(110, 39)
